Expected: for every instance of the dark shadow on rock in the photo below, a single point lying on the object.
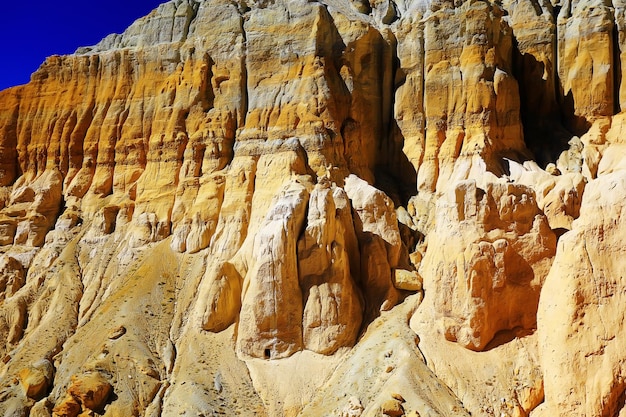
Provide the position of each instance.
(110, 399)
(395, 174)
(560, 231)
(505, 336)
(548, 117)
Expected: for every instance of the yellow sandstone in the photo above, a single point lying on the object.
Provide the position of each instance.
(341, 208)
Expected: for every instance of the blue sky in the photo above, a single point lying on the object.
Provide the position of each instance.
(32, 30)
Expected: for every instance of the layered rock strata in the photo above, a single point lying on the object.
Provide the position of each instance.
(319, 208)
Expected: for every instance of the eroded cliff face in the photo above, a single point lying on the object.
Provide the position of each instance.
(338, 208)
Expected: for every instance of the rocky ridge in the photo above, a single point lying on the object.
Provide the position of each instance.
(344, 207)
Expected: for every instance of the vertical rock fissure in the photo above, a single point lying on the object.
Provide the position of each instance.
(387, 68)
(424, 125)
(558, 90)
(617, 66)
(241, 119)
(194, 12)
(621, 401)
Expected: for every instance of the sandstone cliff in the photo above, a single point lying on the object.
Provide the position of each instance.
(344, 207)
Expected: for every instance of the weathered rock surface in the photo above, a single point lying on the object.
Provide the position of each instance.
(238, 208)
(332, 307)
(486, 261)
(580, 316)
(270, 322)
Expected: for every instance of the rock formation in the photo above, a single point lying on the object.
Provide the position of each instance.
(344, 208)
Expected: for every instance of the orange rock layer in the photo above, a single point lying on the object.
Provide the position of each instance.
(319, 208)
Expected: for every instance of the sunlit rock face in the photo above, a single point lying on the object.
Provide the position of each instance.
(345, 207)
